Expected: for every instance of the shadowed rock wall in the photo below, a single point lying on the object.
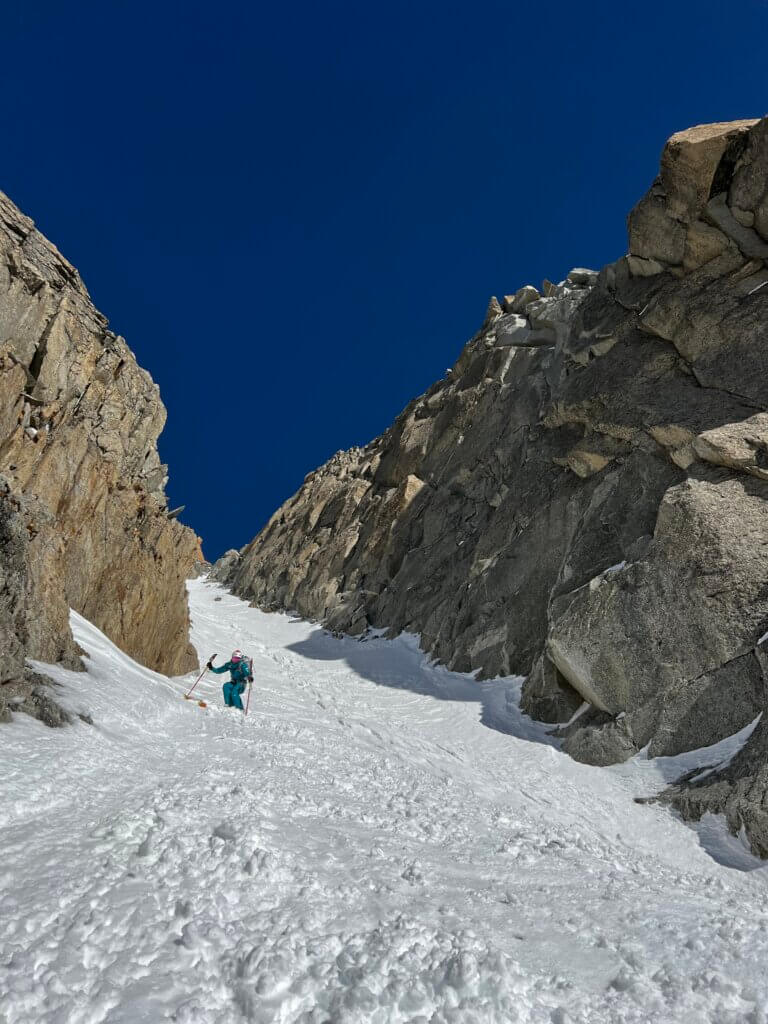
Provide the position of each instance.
(584, 498)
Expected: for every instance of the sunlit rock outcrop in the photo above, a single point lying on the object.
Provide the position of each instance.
(83, 516)
(583, 499)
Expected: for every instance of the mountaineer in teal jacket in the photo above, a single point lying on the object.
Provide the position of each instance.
(239, 669)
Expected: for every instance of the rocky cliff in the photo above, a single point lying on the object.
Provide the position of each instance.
(83, 516)
(584, 498)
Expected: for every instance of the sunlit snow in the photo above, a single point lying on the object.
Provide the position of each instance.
(380, 840)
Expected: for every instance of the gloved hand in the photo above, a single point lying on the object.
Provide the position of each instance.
(250, 679)
(209, 663)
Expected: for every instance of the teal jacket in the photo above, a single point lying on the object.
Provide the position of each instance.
(240, 670)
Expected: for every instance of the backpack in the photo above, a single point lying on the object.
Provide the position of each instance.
(242, 670)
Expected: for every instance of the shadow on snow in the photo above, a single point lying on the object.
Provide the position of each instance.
(401, 665)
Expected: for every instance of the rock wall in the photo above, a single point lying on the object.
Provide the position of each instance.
(83, 515)
(584, 498)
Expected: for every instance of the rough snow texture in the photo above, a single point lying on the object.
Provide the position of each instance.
(616, 420)
(367, 846)
(83, 518)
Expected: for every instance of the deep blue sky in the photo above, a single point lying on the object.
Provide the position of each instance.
(296, 212)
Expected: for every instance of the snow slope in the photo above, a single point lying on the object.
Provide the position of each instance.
(379, 841)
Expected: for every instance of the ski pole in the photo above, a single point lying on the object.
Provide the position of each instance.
(250, 686)
(198, 678)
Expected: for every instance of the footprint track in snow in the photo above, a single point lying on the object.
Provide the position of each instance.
(360, 848)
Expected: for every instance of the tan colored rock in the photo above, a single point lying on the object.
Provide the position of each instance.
(583, 463)
(523, 297)
(752, 273)
(603, 346)
(690, 164)
(493, 311)
(684, 457)
(410, 489)
(690, 161)
(742, 446)
(671, 435)
(677, 440)
(653, 233)
(703, 243)
(78, 431)
(641, 267)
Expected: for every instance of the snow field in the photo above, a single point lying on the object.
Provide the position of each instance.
(364, 847)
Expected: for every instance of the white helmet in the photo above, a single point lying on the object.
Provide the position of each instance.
(237, 655)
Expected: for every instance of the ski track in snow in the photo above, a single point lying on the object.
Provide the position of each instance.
(380, 840)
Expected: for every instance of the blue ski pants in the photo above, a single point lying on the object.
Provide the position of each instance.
(232, 693)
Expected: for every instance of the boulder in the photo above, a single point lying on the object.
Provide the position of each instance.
(742, 445)
(648, 625)
(694, 165)
(603, 744)
(523, 297)
(223, 568)
(581, 277)
(693, 713)
(691, 160)
(653, 233)
(744, 217)
(492, 311)
(703, 243)
(639, 266)
(718, 213)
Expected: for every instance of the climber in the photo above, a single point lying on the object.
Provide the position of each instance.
(239, 668)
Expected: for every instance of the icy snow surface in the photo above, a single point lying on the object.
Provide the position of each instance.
(379, 841)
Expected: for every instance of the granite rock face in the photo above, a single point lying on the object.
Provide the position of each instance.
(83, 514)
(583, 499)
(223, 568)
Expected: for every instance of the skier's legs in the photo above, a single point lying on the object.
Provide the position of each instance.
(227, 691)
(237, 689)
